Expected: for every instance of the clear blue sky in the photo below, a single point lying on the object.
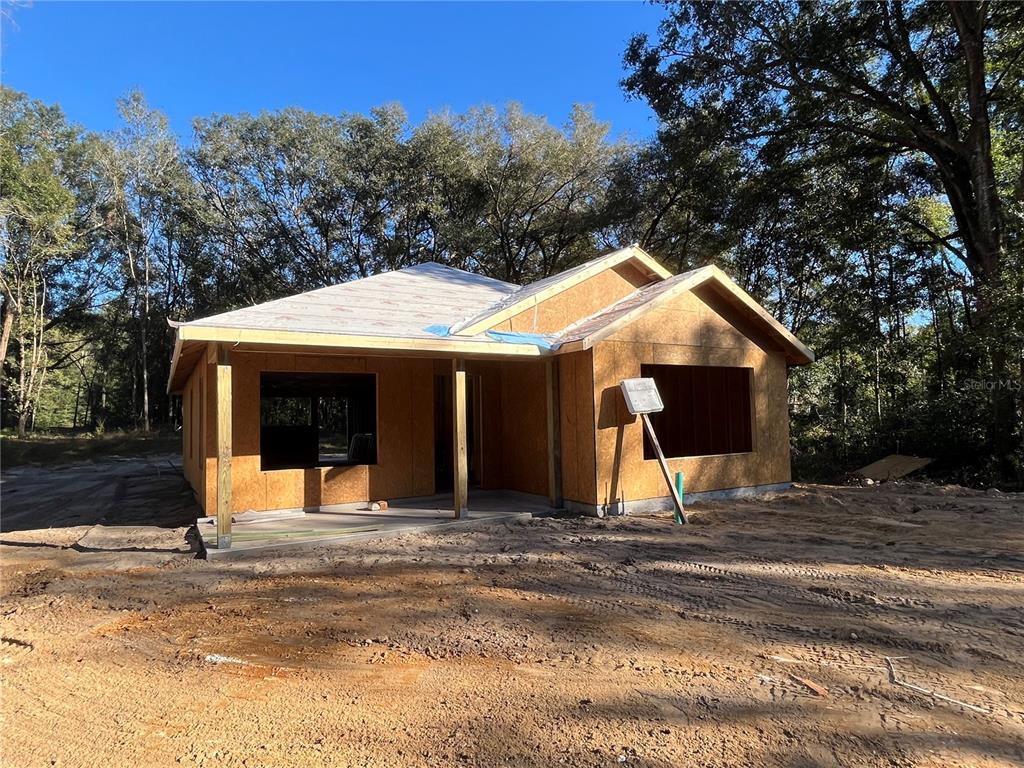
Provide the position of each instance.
(196, 58)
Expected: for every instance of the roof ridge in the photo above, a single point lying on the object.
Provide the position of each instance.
(450, 268)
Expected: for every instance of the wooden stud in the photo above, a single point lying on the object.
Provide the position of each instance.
(461, 485)
(223, 448)
(554, 436)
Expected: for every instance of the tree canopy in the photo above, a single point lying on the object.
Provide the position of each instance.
(905, 118)
(859, 168)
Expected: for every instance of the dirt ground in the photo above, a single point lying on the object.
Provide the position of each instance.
(756, 636)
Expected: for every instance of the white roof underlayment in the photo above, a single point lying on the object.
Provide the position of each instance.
(401, 304)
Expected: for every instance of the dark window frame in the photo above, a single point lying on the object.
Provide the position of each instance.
(316, 385)
(709, 410)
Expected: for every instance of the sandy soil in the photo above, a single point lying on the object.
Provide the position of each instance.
(560, 641)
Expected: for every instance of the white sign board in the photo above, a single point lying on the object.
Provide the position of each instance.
(641, 396)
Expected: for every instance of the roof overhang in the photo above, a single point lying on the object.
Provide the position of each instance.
(190, 338)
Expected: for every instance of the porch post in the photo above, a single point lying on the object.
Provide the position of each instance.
(554, 436)
(461, 486)
(223, 448)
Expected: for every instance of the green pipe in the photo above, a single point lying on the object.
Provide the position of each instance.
(679, 489)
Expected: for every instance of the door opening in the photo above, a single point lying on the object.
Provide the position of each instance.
(444, 454)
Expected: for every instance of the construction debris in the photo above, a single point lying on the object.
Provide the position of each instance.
(917, 688)
(216, 658)
(892, 467)
(810, 685)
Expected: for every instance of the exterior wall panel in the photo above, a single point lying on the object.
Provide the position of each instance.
(686, 331)
(576, 422)
(405, 429)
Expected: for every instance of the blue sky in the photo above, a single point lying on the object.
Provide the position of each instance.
(196, 58)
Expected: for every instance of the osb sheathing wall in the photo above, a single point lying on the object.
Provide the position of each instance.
(512, 413)
(687, 331)
(405, 437)
(193, 452)
(582, 300)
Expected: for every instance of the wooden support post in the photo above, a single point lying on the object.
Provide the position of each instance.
(554, 437)
(223, 448)
(461, 485)
(664, 467)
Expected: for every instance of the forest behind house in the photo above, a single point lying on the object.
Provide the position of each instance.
(858, 168)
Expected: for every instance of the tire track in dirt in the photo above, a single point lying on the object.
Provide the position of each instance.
(693, 607)
(972, 625)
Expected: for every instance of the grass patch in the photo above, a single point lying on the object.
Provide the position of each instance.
(45, 449)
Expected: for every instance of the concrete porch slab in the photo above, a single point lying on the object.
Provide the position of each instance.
(347, 523)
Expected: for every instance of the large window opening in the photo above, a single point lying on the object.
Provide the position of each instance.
(317, 419)
(707, 410)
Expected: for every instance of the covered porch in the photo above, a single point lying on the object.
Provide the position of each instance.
(440, 439)
(254, 533)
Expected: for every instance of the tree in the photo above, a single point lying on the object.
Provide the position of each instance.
(43, 230)
(138, 164)
(931, 87)
(544, 189)
(676, 198)
(314, 199)
(308, 199)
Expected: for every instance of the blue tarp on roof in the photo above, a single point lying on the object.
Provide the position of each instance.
(509, 337)
(505, 337)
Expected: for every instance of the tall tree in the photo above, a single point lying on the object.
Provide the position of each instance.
(46, 218)
(677, 198)
(138, 164)
(930, 84)
(542, 186)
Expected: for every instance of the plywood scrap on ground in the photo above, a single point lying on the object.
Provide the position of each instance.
(813, 687)
(892, 467)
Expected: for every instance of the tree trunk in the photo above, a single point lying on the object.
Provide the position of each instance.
(983, 234)
(145, 343)
(8, 324)
(145, 382)
(878, 391)
(940, 365)
(21, 406)
(842, 404)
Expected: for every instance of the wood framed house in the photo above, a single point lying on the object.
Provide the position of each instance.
(432, 380)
